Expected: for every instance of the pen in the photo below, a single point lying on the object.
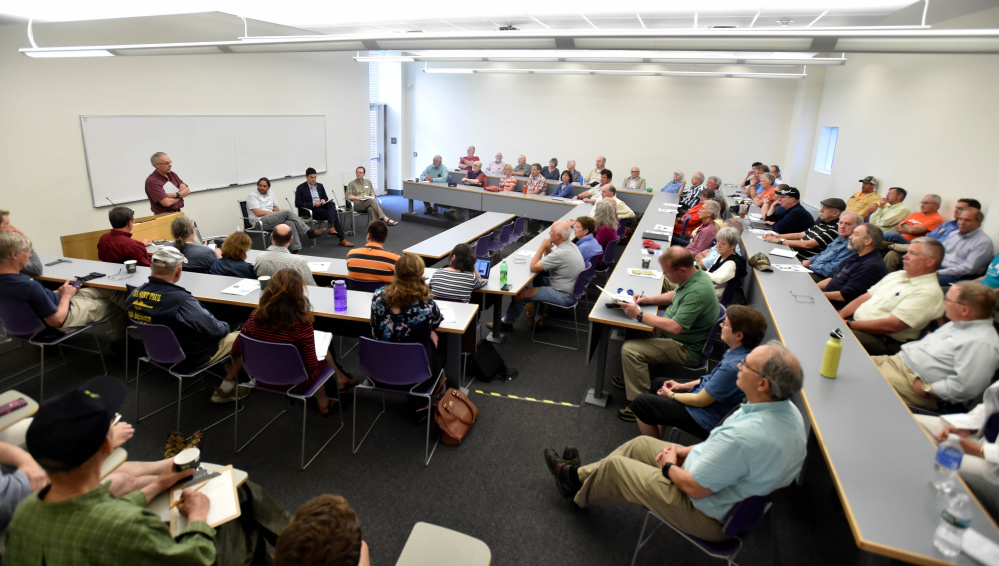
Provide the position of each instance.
(179, 501)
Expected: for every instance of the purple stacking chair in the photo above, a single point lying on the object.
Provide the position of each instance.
(277, 368)
(608, 255)
(582, 280)
(21, 323)
(709, 344)
(389, 365)
(518, 228)
(504, 240)
(163, 351)
(482, 246)
(743, 516)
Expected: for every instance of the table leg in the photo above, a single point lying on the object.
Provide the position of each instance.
(496, 336)
(452, 365)
(411, 206)
(596, 395)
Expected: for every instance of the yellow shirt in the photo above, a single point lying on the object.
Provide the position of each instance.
(861, 201)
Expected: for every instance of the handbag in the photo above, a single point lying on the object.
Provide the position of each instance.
(455, 416)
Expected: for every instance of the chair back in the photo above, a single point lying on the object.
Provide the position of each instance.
(518, 228)
(272, 364)
(683, 227)
(18, 319)
(393, 363)
(709, 344)
(505, 234)
(366, 286)
(745, 515)
(244, 213)
(729, 292)
(621, 228)
(482, 246)
(160, 343)
(608, 257)
(582, 280)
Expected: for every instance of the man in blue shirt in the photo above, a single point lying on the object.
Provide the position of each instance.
(759, 448)
(435, 173)
(828, 261)
(790, 216)
(893, 259)
(696, 406)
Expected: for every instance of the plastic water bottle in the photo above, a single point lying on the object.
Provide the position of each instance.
(340, 295)
(954, 522)
(947, 462)
(830, 359)
(503, 273)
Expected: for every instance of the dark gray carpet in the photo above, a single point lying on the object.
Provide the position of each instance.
(495, 486)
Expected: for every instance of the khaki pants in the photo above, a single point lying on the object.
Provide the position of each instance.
(91, 305)
(975, 471)
(225, 348)
(371, 206)
(636, 355)
(630, 473)
(901, 378)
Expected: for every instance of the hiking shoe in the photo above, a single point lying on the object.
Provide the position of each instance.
(627, 415)
(174, 444)
(618, 382)
(566, 477)
(219, 396)
(571, 455)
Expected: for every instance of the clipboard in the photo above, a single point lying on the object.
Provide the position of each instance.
(221, 491)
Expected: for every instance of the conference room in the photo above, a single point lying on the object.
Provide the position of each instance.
(892, 119)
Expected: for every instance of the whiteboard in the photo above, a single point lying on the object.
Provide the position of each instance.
(208, 152)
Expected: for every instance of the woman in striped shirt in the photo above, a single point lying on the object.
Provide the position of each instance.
(508, 182)
(285, 316)
(458, 279)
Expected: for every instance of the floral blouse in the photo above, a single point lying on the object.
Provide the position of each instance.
(413, 324)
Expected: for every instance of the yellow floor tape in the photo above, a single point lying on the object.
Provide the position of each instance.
(519, 398)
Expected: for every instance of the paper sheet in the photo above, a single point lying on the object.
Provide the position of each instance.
(448, 314)
(761, 231)
(320, 266)
(221, 490)
(662, 228)
(754, 216)
(980, 548)
(527, 253)
(791, 267)
(242, 288)
(783, 253)
(323, 340)
(650, 273)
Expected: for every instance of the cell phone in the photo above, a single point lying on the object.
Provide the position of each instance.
(506, 287)
(78, 284)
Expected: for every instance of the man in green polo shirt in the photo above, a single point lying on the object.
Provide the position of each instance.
(680, 332)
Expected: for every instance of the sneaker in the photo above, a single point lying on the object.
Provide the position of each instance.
(618, 382)
(503, 326)
(529, 310)
(627, 415)
(174, 444)
(219, 396)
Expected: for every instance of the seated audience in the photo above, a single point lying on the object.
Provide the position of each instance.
(678, 335)
(991, 277)
(827, 263)
(570, 166)
(233, 260)
(897, 308)
(605, 218)
(361, 194)
(751, 181)
(891, 210)
(117, 246)
(583, 228)
(535, 184)
(261, 205)
(284, 316)
(561, 260)
(436, 172)
(277, 257)
(689, 196)
(775, 171)
(522, 169)
(372, 262)
(704, 235)
(634, 182)
(692, 217)
(956, 362)
(78, 520)
(550, 172)
(707, 258)
(312, 196)
(590, 195)
(475, 176)
(766, 194)
(65, 308)
(624, 212)
(508, 182)
(729, 265)
(759, 448)
(790, 216)
(893, 259)
(564, 189)
(918, 223)
(866, 200)
(697, 406)
(200, 257)
(203, 338)
(34, 267)
(496, 168)
(815, 239)
(676, 184)
(459, 278)
(593, 177)
(405, 311)
(324, 531)
(858, 273)
(968, 249)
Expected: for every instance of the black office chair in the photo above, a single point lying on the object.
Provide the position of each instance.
(253, 226)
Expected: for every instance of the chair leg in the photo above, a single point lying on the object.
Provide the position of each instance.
(100, 353)
(427, 451)
(339, 406)
(41, 375)
(235, 428)
(642, 538)
(353, 435)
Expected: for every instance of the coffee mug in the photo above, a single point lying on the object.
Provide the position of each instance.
(130, 266)
(645, 263)
(264, 280)
(187, 459)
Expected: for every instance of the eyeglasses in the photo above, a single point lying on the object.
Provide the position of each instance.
(946, 300)
(122, 274)
(807, 299)
(743, 364)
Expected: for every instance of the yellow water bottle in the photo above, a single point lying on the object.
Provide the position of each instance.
(830, 359)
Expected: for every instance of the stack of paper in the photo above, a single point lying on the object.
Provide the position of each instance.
(242, 288)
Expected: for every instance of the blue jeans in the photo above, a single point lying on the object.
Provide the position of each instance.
(544, 295)
(895, 237)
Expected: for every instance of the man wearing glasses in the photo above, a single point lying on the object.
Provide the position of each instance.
(757, 449)
(164, 188)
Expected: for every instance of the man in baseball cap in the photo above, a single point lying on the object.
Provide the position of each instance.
(866, 200)
(790, 217)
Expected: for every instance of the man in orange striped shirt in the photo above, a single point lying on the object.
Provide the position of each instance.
(372, 262)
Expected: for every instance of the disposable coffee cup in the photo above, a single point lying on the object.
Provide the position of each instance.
(187, 459)
(264, 281)
(130, 266)
(645, 263)
(743, 209)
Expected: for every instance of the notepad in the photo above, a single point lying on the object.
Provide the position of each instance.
(315, 266)
(323, 340)
(527, 253)
(798, 268)
(448, 314)
(783, 253)
(221, 491)
(242, 288)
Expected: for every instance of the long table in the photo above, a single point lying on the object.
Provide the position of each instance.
(880, 459)
(538, 207)
(442, 244)
(208, 288)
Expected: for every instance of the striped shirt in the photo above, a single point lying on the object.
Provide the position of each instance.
(823, 233)
(447, 284)
(371, 263)
(301, 335)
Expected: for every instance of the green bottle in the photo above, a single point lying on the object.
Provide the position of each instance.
(503, 273)
(830, 359)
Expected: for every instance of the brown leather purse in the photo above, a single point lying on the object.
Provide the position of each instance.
(455, 416)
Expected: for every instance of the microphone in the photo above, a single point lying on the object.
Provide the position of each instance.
(111, 201)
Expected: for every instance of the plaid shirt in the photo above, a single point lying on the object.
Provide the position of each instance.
(535, 185)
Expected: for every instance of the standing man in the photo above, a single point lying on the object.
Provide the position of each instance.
(312, 196)
(117, 246)
(34, 266)
(635, 182)
(890, 210)
(362, 195)
(465, 163)
(865, 201)
(860, 272)
(522, 169)
(593, 177)
(164, 188)
(495, 168)
(435, 173)
(261, 205)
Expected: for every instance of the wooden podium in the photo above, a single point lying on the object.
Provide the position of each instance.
(84, 246)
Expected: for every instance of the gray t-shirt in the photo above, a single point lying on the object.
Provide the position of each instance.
(563, 266)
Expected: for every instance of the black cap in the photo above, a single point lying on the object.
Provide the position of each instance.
(790, 192)
(68, 429)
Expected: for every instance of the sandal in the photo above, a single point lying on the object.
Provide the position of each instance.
(391, 222)
(348, 385)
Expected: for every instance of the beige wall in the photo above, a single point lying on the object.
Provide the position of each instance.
(45, 181)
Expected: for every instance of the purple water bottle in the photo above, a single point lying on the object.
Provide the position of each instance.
(340, 296)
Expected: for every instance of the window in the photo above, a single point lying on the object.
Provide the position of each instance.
(826, 150)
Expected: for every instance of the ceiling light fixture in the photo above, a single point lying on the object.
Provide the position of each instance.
(616, 72)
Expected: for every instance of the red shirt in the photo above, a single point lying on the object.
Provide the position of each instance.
(461, 164)
(301, 335)
(117, 246)
(156, 192)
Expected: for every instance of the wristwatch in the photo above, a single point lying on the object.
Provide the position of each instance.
(671, 395)
(781, 241)
(640, 315)
(927, 388)
(666, 468)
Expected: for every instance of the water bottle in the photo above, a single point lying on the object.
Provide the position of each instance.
(830, 359)
(954, 521)
(340, 295)
(947, 462)
(503, 273)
